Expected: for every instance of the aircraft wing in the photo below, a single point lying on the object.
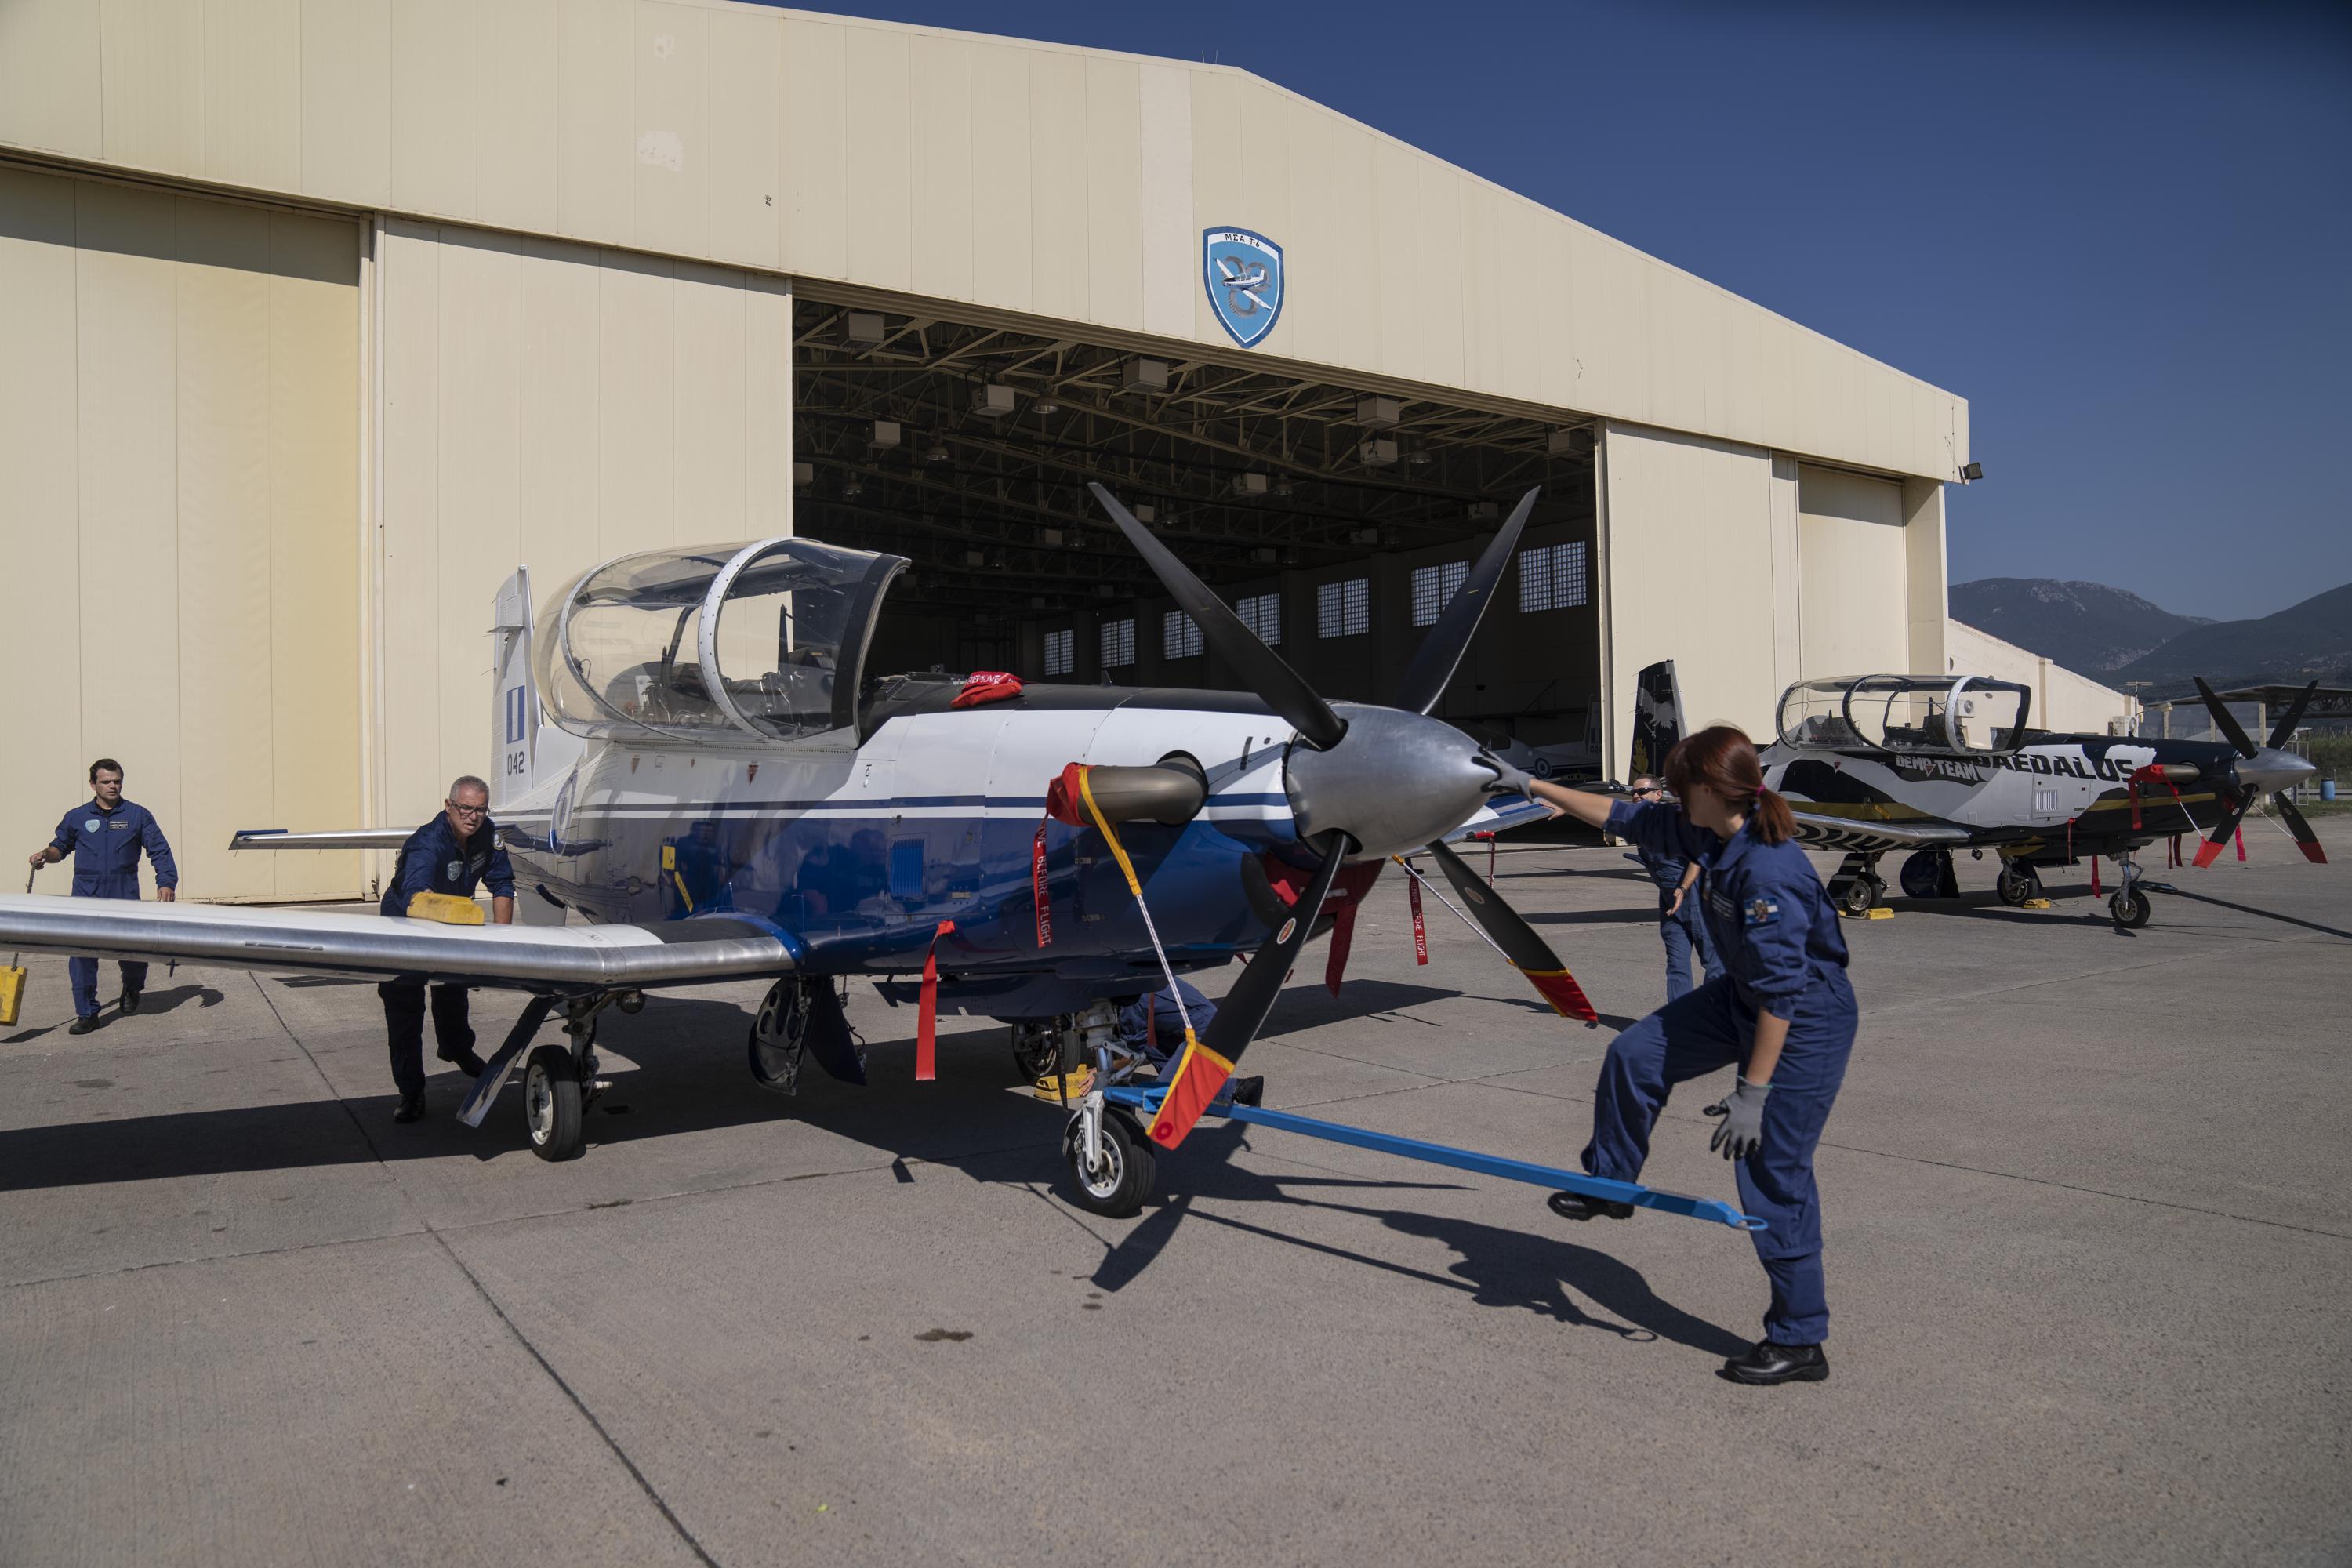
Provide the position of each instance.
(547, 960)
(352, 838)
(1820, 830)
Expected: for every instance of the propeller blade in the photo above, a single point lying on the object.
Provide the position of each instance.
(2219, 839)
(1529, 953)
(1433, 667)
(2284, 730)
(2303, 837)
(2223, 719)
(1207, 1062)
(1260, 666)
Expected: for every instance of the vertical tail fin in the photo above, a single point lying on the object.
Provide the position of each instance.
(514, 721)
(1657, 719)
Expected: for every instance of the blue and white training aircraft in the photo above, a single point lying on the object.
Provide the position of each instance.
(698, 779)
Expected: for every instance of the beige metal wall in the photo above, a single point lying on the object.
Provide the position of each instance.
(550, 405)
(1751, 571)
(1052, 182)
(1853, 568)
(2062, 699)
(1699, 558)
(178, 504)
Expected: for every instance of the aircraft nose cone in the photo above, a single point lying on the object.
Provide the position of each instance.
(1395, 781)
(2271, 770)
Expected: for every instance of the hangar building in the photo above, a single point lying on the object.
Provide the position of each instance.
(318, 316)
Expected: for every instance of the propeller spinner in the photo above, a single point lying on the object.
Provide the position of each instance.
(1365, 783)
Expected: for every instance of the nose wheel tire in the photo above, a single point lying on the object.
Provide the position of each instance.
(1118, 1185)
(2129, 909)
(552, 1103)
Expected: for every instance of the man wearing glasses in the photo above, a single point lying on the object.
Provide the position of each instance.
(453, 854)
(1679, 925)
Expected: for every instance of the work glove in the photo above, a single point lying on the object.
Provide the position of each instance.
(1508, 780)
(1742, 1132)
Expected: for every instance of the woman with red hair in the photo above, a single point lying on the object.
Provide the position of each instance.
(1781, 1012)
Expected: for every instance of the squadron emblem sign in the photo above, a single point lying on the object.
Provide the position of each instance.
(1243, 274)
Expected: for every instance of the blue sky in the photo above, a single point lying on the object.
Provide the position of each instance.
(2123, 233)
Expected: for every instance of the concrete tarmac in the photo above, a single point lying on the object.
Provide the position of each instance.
(2089, 1245)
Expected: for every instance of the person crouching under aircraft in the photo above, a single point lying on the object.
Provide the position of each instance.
(1153, 1027)
(454, 853)
(1782, 1013)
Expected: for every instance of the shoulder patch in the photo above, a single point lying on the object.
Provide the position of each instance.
(1763, 910)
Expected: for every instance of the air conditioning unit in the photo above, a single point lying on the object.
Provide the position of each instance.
(1570, 443)
(1376, 413)
(994, 401)
(863, 327)
(1105, 591)
(1484, 511)
(1363, 536)
(1265, 555)
(1377, 452)
(885, 433)
(1251, 487)
(1052, 536)
(1143, 375)
(804, 473)
(1146, 513)
(974, 558)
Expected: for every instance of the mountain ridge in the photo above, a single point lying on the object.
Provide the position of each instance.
(2119, 637)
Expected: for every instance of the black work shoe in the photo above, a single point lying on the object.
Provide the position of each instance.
(1576, 1206)
(466, 1062)
(409, 1110)
(130, 1001)
(1249, 1090)
(82, 1026)
(1768, 1363)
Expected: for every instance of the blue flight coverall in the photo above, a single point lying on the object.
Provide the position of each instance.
(1152, 1026)
(436, 860)
(105, 846)
(1684, 931)
(1778, 939)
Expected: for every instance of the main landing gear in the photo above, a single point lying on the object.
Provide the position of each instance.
(1856, 888)
(2018, 882)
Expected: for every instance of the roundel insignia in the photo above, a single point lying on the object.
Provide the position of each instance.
(1243, 272)
(453, 871)
(1287, 927)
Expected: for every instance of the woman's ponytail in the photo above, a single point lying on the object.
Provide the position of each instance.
(1723, 758)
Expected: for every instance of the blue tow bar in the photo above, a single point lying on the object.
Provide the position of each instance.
(1148, 1101)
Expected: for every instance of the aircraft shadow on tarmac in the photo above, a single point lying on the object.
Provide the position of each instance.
(694, 1081)
(1311, 1006)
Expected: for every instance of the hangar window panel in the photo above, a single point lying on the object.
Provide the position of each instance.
(1552, 576)
(1433, 587)
(1118, 643)
(1262, 613)
(1180, 635)
(1061, 651)
(1344, 609)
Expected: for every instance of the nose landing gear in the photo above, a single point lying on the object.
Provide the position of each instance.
(2129, 907)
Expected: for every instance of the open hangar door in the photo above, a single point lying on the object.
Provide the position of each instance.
(1336, 519)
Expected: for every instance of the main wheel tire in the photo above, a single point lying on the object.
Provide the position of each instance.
(1117, 1187)
(2129, 909)
(1924, 873)
(2014, 886)
(552, 1104)
(1036, 1050)
(779, 1038)
(1858, 895)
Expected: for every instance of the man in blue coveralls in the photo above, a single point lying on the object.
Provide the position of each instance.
(454, 853)
(1153, 1027)
(1679, 925)
(105, 838)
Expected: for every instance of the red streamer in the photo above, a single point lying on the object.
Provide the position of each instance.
(1420, 931)
(926, 1016)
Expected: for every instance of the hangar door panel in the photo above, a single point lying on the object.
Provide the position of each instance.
(179, 429)
(1851, 568)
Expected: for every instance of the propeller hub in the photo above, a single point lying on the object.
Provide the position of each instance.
(1394, 781)
(2269, 770)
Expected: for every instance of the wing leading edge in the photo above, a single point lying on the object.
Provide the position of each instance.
(548, 960)
(1818, 830)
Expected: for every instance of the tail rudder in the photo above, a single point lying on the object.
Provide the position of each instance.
(1657, 719)
(514, 718)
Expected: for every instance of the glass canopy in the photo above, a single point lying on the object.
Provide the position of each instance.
(766, 640)
(1942, 713)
